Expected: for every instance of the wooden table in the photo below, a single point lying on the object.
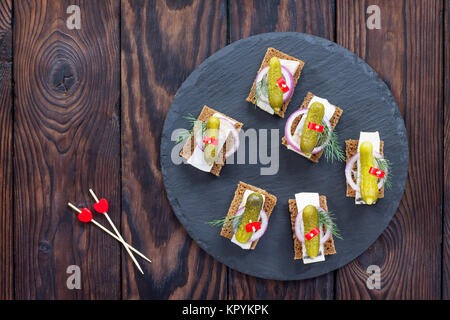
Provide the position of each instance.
(85, 108)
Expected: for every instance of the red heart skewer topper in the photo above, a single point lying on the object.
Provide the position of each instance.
(85, 215)
(101, 206)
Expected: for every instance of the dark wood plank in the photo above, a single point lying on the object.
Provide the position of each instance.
(6, 138)
(66, 140)
(446, 220)
(249, 17)
(407, 54)
(252, 17)
(162, 43)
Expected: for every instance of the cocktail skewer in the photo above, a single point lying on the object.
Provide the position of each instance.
(115, 230)
(110, 233)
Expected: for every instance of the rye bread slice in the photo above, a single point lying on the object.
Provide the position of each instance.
(189, 146)
(333, 121)
(272, 52)
(328, 246)
(269, 203)
(351, 148)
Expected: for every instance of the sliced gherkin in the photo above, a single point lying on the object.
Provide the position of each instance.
(309, 137)
(369, 184)
(311, 221)
(210, 152)
(253, 207)
(275, 92)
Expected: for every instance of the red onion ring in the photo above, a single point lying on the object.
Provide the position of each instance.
(264, 223)
(236, 144)
(349, 168)
(298, 232)
(290, 139)
(287, 75)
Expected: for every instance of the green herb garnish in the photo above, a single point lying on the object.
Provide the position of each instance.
(195, 124)
(327, 219)
(385, 165)
(183, 135)
(333, 150)
(261, 89)
(235, 221)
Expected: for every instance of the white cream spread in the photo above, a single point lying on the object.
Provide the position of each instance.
(303, 199)
(247, 245)
(329, 112)
(197, 158)
(374, 138)
(292, 66)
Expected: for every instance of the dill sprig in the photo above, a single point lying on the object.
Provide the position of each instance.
(195, 124)
(333, 151)
(385, 165)
(235, 221)
(327, 219)
(191, 119)
(184, 134)
(261, 89)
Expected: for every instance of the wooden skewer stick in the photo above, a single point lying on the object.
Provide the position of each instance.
(118, 234)
(111, 234)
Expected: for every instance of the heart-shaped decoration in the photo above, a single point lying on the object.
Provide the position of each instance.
(85, 215)
(101, 206)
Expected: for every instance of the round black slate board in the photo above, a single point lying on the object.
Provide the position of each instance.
(222, 82)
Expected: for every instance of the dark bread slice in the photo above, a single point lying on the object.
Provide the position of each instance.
(189, 146)
(272, 52)
(328, 246)
(351, 148)
(269, 203)
(333, 121)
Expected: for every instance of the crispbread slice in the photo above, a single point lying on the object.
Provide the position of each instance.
(328, 246)
(272, 52)
(333, 121)
(269, 204)
(189, 146)
(351, 148)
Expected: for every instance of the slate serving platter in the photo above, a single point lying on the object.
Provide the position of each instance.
(222, 82)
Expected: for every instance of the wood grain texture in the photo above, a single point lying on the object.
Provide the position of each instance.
(162, 43)
(253, 17)
(66, 140)
(6, 153)
(446, 145)
(407, 54)
(249, 17)
(65, 132)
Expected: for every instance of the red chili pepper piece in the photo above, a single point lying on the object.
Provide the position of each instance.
(209, 140)
(315, 126)
(249, 226)
(282, 84)
(377, 172)
(311, 234)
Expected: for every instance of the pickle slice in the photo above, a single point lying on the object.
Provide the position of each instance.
(253, 207)
(275, 92)
(309, 137)
(369, 184)
(311, 221)
(210, 152)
